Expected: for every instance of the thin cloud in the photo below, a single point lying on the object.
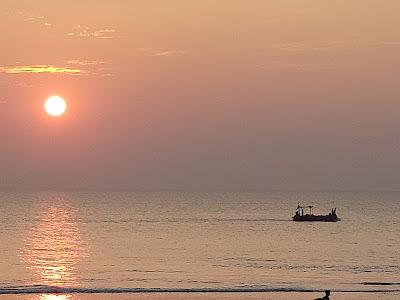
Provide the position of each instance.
(40, 69)
(92, 67)
(34, 18)
(70, 67)
(170, 53)
(87, 32)
(104, 33)
(23, 84)
(292, 66)
(332, 45)
(30, 18)
(85, 63)
(15, 82)
(161, 52)
(278, 65)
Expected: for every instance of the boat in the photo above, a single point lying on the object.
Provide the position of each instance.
(301, 217)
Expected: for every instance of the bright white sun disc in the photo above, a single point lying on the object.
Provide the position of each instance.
(55, 106)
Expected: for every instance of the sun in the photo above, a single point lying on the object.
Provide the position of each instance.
(55, 106)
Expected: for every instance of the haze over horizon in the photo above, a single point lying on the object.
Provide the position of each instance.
(267, 95)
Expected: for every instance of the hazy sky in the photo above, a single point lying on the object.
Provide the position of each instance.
(274, 95)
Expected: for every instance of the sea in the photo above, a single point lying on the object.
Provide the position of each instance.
(197, 242)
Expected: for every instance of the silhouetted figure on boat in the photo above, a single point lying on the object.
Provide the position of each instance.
(326, 297)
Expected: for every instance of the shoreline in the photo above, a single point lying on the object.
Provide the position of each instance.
(203, 296)
(144, 291)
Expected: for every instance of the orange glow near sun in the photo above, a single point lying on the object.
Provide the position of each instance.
(55, 106)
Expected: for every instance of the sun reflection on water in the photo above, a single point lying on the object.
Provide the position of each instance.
(53, 246)
(54, 297)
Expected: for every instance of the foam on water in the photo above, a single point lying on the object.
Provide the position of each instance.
(37, 289)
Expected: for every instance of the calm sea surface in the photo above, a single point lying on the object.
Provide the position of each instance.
(117, 241)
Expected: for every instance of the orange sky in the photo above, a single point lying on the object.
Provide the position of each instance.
(201, 94)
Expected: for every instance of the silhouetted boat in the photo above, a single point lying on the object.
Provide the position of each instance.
(301, 217)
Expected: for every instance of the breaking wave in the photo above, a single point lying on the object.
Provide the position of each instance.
(42, 289)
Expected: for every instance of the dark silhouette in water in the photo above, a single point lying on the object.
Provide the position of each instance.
(326, 297)
(310, 217)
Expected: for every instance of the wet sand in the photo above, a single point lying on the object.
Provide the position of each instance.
(206, 296)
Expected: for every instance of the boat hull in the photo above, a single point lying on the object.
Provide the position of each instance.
(316, 218)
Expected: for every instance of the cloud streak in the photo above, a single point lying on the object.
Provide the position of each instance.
(86, 32)
(169, 53)
(30, 18)
(332, 45)
(292, 66)
(85, 63)
(73, 67)
(40, 69)
(163, 52)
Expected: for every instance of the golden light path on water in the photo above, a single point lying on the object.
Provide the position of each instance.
(53, 246)
(55, 297)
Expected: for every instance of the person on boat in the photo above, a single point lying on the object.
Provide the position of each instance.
(326, 297)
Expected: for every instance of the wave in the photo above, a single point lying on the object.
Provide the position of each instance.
(186, 220)
(379, 283)
(42, 289)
